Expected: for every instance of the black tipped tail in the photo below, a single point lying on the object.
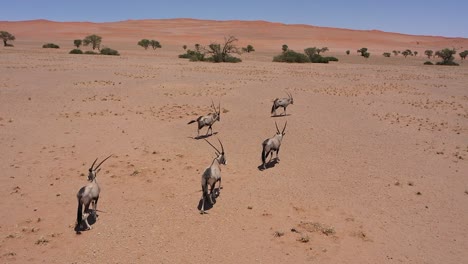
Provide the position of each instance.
(264, 154)
(193, 121)
(79, 214)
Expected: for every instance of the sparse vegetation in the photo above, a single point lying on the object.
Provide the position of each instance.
(193, 55)
(447, 57)
(463, 54)
(291, 56)
(395, 52)
(144, 43)
(76, 51)
(364, 52)
(248, 49)
(428, 63)
(407, 53)
(6, 36)
(50, 46)
(415, 53)
(77, 43)
(314, 56)
(348, 52)
(109, 51)
(184, 47)
(155, 44)
(94, 40)
(284, 48)
(428, 53)
(222, 53)
(386, 54)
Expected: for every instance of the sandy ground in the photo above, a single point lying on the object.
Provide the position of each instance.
(373, 167)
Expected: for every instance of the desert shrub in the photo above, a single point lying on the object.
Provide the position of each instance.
(77, 43)
(6, 36)
(386, 54)
(407, 52)
(463, 54)
(155, 44)
(193, 55)
(428, 53)
(90, 52)
(94, 40)
(362, 51)
(428, 63)
(366, 54)
(347, 52)
(291, 56)
(222, 52)
(447, 63)
(225, 58)
(447, 57)
(109, 51)
(50, 46)
(330, 58)
(248, 49)
(144, 43)
(284, 48)
(76, 51)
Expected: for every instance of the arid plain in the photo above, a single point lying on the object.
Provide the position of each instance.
(373, 167)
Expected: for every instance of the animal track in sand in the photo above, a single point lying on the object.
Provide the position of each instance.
(95, 83)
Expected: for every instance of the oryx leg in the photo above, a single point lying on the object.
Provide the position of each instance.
(212, 192)
(204, 193)
(277, 152)
(95, 208)
(85, 216)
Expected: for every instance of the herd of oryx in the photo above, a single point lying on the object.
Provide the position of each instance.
(89, 194)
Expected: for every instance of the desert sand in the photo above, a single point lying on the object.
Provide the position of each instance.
(373, 166)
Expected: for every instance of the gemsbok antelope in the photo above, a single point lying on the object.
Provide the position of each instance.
(212, 175)
(88, 194)
(208, 120)
(282, 102)
(272, 144)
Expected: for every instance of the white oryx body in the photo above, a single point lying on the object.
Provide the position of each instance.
(212, 175)
(89, 194)
(208, 120)
(272, 144)
(281, 102)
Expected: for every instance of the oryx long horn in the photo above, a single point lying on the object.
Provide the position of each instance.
(277, 129)
(284, 128)
(212, 145)
(97, 167)
(213, 105)
(219, 107)
(91, 168)
(222, 148)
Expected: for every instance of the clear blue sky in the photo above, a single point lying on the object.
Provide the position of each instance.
(430, 17)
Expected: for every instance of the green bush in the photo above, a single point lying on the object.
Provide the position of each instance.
(192, 55)
(330, 58)
(428, 63)
(109, 51)
(90, 52)
(291, 56)
(50, 46)
(447, 63)
(76, 51)
(219, 58)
